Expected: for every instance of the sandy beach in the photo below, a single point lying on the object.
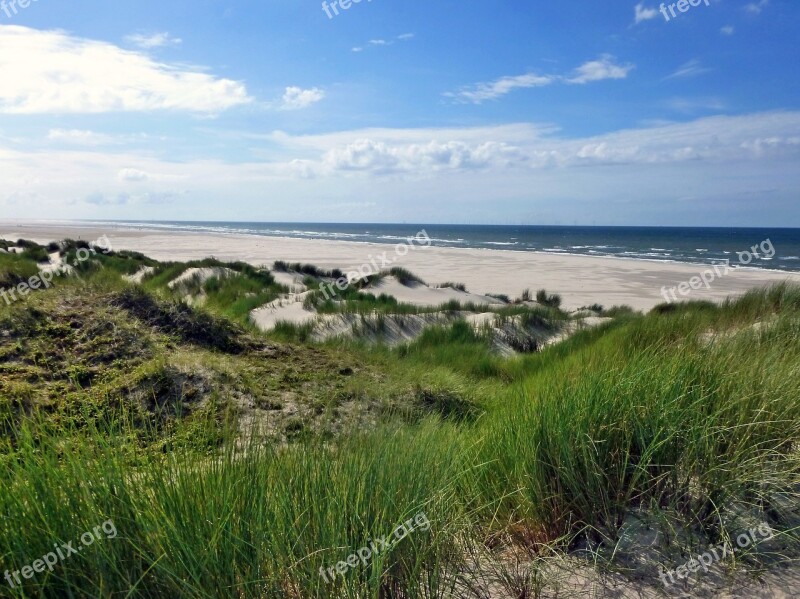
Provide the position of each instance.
(581, 280)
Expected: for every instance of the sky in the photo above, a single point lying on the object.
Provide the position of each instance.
(502, 112)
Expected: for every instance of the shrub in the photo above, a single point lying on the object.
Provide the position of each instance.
(553, 301)
(306, 269)
(615, 311)
(405, 277)
(594, 308)
(182, 321)
(456, 286)
(33, 251)
(500, 296)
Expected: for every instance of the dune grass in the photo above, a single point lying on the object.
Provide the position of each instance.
(692, 409)
(250, 524)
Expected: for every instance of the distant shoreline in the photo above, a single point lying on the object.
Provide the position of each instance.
(683, 245)
(581, 279)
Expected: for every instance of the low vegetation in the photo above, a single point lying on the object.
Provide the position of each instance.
(235, 464)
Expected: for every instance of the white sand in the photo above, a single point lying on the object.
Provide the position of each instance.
(141, 274)
(286, 309)
(202, 275)
(422, 295)
(291, 280)
(581, 280)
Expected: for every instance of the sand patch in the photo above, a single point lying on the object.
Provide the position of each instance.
(139, 276)
(293, 281)
(419, 294)
(286, 309)
(201, 275)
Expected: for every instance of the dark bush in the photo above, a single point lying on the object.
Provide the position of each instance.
(183, 321)
(405, 277)
(553, 301)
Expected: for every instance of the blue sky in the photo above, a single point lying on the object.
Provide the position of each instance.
(502, 112)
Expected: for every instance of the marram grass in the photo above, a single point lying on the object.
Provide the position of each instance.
(694, 410)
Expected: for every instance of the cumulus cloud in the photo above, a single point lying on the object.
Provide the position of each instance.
(380, 157)
(132, 175)
(54, 72)
(295, 98)
(644, 14)
(153, 40)
(719, 138)
(448, 165)
(600, 69)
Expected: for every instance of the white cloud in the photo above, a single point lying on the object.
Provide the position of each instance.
(525, 146)
(727, 30)
(404, 37)
(600, 69)
(434, 172)
(101, 199)
(644, 14)
(379, 157)
(596, 70)
(82, 137)
(132, 175)
(52, 72)
(689, 69)
(124, 198)
(495, 89)
(695, 105)
(79, 137)
(756, 7)
(153, 40)
(295, 98)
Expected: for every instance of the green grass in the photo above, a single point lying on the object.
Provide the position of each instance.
(242, 524)
(405, 277)
(15, 269)
(451, 285)
(232, 465)
(232, 296)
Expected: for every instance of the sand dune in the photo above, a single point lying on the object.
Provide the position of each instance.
(581, 280)
(423, 295)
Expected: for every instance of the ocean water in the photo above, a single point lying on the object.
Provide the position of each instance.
(708, 245)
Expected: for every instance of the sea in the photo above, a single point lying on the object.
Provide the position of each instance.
(774, 248)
